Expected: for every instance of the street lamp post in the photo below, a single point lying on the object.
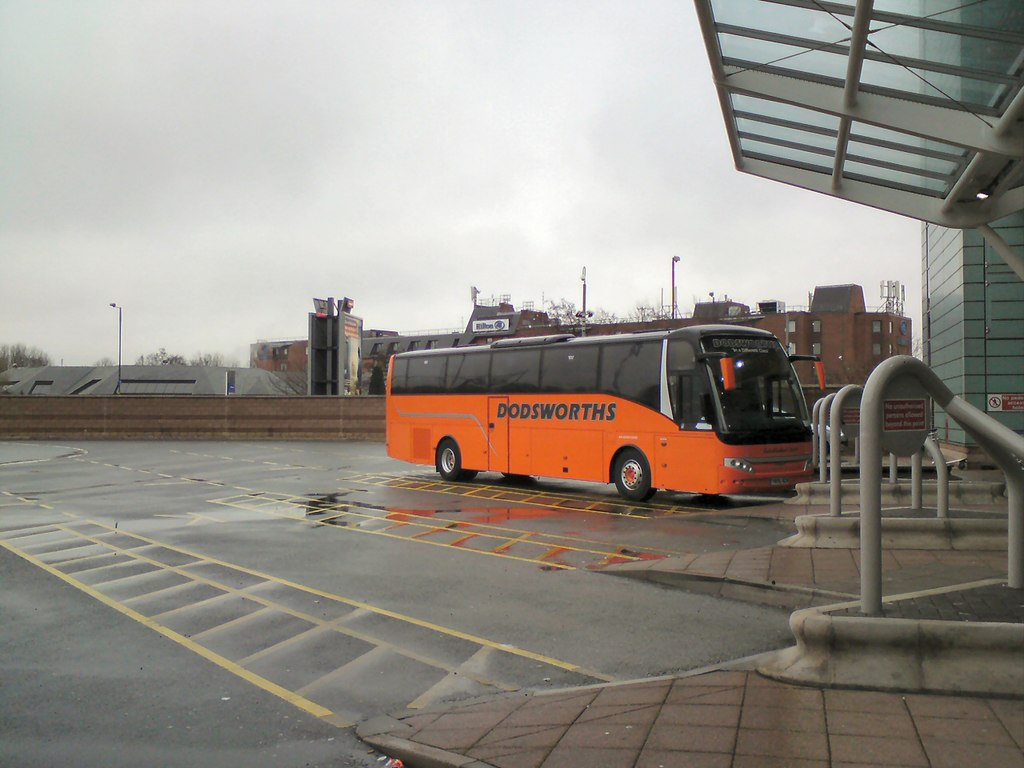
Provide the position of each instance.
(584, 314)
(117, 389)
(675, 260)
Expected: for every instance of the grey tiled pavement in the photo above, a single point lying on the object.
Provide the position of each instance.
(735, 717)
(723, 719)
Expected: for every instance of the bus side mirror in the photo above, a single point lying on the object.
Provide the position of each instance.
(728, 374)
(819, 368)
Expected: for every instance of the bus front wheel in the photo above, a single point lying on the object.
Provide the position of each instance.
(632, 475)
(449, 462)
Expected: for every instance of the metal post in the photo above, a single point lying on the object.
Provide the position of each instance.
(823, 417)
(117, 389)
(815, 418)
(941, 478)
(1015, 532)
(675, 260)
(835, 423)
(894, 469)
(871, 496)
(916, 481)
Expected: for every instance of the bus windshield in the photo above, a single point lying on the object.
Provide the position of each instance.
(764, 402)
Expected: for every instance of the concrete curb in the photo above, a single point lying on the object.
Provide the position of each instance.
(965, 492)
(828, 532)
(902, 655)
(789, 596)
(379, 732)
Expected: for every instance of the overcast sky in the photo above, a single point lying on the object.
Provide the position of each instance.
(212, 166)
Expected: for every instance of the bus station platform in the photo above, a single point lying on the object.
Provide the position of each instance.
(854, 691)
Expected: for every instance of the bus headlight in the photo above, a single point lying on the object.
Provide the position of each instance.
(740, 464)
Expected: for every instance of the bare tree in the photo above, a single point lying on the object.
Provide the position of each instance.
(602, 316)
(207, 359)
(562, 312)
(645, 312)
(160, 357)
(22, 356)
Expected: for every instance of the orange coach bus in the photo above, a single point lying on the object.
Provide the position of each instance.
(706, 409)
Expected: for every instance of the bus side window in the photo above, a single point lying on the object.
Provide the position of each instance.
(515, 370)
(399, 375)
(468, 372)
(695, 407)
(570, 369)
(425, 376)
(632, 371)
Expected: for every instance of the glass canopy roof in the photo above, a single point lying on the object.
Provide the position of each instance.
(912, 106)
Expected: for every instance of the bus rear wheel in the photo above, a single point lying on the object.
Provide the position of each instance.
(448, 461)
(632, 475)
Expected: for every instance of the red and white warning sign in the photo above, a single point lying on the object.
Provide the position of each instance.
(904, 415)
(1010, 402)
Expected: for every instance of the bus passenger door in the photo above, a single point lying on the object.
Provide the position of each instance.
(497, 434)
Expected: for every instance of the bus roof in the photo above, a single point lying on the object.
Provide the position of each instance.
(692, 334)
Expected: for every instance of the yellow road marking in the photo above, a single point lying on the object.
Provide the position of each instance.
(385, 533)
(563, 500)
(432, 524)
(510, 649)
(261, 682)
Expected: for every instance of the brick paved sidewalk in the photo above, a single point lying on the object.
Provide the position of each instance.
(723, 719)
(834, 573)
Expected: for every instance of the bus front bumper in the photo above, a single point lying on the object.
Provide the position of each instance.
(744, 474)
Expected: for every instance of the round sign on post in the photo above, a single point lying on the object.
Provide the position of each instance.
(905, 408)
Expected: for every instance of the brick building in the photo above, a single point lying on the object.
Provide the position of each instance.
(280, 356)
(838, 327)
(850, 339)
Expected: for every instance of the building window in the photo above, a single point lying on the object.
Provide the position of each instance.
(413, 345)
(815, 326)
(431, 343)
(816, 348)
(375, 349)
(792, 347)
(876, 349)
(890, 327)
(791, 326)
(876, 326)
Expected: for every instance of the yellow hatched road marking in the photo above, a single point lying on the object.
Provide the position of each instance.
(562, 500)
(508, 535)
(236, 669)
(512, 650)
(385, 533)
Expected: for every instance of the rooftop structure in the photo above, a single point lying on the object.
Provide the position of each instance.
(139, 380)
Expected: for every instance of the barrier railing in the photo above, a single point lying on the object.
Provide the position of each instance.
(903, 382)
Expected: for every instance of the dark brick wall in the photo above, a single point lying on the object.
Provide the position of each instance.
(191, 417)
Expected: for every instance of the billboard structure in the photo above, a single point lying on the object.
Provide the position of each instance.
(335, 335)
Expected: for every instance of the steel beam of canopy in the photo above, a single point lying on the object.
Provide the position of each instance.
(918, 151)
(917, 206)
(951, 126)
(1014, 260)
(854, 65)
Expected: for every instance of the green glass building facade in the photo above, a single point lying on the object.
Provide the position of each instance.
(973, 312)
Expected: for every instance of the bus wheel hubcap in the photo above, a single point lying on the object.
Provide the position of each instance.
(448, 460)
(631, 474)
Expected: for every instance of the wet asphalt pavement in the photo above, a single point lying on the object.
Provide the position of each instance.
(196, 603)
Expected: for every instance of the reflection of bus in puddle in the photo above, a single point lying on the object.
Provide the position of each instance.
(485, 530)
(706, 409)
